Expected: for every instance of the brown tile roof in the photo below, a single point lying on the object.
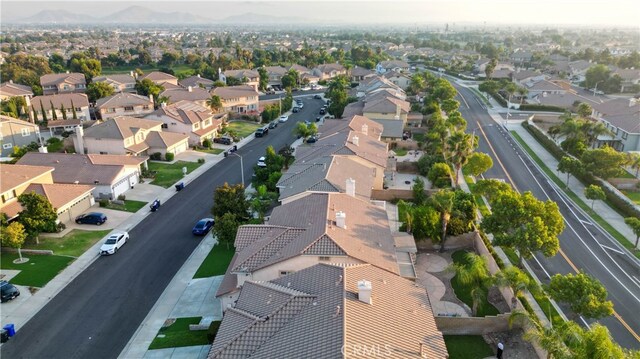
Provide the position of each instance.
(59, 194)
(63, 123)
(356, 123)
(117, 160)
(179, 94)
(54, 79)
(317, 310)
(195, 81)
(65, 99)
(12, 209)
(239, 74)
(115, 78)
(157, 76)
(158, 139)
(12, 176)
(231, 92)
(120, 127)
(10, 89)
(342, 143)
(17, 121)
(137, 148)
(386, 104)
(123, 99)
(621, 112)
(73, 168)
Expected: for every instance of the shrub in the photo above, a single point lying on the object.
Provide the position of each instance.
(200, 160)
(169, 156)
(440, 175)
(206, 143)
(122, 197)
(156, 156)
(213, 330)
(534, 107)
(104, 202)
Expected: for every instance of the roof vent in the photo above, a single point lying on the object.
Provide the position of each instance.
(337, 311)
(190, 89)
(351, 187)
(341, 219)
(365, 129)
(364, 291)
(355, 140)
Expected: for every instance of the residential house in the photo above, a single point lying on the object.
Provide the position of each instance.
(317, 228)
(621, 116)
(399, 79)
(188, 118)
(161, 78)
(119, 82)
(543, 87)
(125, 135)
(392, 65)
(329, 71)
(275, 74)
(524, 77)
(562, 100)
(251, 76)
(578, 70)
(330, 310)
(196, 81)
(58, 127)
(110, 175)
(68, 200)
(358, 74)
(630, 78)
(63, 83)
(15, 132)
(521, 57)
(9, 89)
(238, 99)
(77, 103)
(387, 108)
(194, 94)
(124, 104)
(354, 123)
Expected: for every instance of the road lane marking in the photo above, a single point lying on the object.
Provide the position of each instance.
(611, 249)
(624, 324)
(585, 322)
(496, 156)
(463, 99)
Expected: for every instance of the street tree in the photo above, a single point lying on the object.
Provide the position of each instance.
(13, 236)
(491, 188)
(440, 175)
(596, 75)
(557, 340)
(570, 165)
(584, 294)
(98, 90)
(443, 90)
(215, 103)
(459, 147)
(478, 163)
(594, 192)
(231, 199)
(475, 275)
(514, 278)
(442, 202)
(450, 105)
(522, 222)
(584, 110)
(337, 93)
(37, 215)
(634, 223)
(226, 228)
(604, 162)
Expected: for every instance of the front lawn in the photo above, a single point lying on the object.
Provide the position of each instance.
(213, 151)
(464, 292)
(467, 347)
(178, 335)
(73, 244)
(400, 152)
(634, 196)
(129, 206)
(216, 262)
(38, 271)
(243, 128)
(168, 174)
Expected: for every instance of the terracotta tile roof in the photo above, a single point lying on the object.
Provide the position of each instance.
(180, 94)
(63, 123)
(157, 76)
(157, 139)
(10, 89)
(54, 79)
(239, 74)
(342, 143)
(12, 176)
(74, 168)
(317, 310)
(355, 123)
(386, 104)
(137, 148)
(195, 81)
(116, 160)
(123, 99)
(115, 78)
(64, 99)
(59, 194)
(12, 209)
(120, 127)
(232, 92)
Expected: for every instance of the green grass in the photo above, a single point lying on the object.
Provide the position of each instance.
(55, 147)
(213, 151)
(400, 151)
(418, 137)
(243, 128)
(464, 293)
(574, 197)
(168, 174)
(467, 347)
(73, 244)
(38, 271)
(634, 196)
(626, 174)
(216, 262)
(179, 335)
(129, 206)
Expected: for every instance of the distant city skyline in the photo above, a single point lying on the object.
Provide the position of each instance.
(619, 13)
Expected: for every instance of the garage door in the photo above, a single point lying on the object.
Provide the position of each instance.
(181, 148)
(120, 187)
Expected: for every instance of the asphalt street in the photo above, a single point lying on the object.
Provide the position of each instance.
(99, 311)
(583, 246)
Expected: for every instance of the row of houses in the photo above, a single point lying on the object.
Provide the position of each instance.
(325, 274)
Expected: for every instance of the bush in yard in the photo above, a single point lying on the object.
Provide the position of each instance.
(104, 202)
(156, 156)
(440, 175)
(122, 197)
(200, 160)
(169, 156)
(206, 143)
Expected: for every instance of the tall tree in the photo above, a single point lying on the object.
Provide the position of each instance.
(634, 223)
(230, 199)
(459, 147)
(215, 103)
(490, 67)
(147, 87)
(98, 90)
(37, 215)
(478, 164)
(419, 196)
(73, 111)
(261, 200)
(492, 188)
(337, 93)
(523, 222)
(442, 202)
(13, 236)
(226, 228)
(54, 115)
(570, 165)
(584, 294)
(553, 339)
(264, 79)
(584, 110)
(63, 111)
(604, 162)
(594, 192)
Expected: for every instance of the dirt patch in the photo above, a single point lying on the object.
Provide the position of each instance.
(495, 297)
(515, 346)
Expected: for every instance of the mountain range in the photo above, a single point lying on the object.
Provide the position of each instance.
(143, 15)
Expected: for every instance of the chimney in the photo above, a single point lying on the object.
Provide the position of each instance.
(190, 89)
(351, 187)
(131, 74)
(79, 139)
(341, 220)
(151, 97)
(364, 291)
(198, 75)
(163, 104)
(354, 140)
(365, 129)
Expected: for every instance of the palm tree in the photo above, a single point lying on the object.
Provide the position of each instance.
(522, 91)
(517, 280)
(460, 146)
(475, 275)
(442, 202)
(553, 340)
(215, 103)
(592, 130)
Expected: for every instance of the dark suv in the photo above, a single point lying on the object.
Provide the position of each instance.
(91, 218)
(262, 131)
(223, 140)
(8, 290)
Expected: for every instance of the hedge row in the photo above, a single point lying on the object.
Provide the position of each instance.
(496, 96)
(534, 107)
(622, 206)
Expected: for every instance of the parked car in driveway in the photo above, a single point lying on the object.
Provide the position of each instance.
(225, 140)
(203, 226)
(283, 118)
(8, 291)
(96, 218)
(113, 243)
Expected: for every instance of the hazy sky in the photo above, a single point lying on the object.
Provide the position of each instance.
(573, 12)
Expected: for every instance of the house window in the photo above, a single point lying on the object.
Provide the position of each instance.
(111, 110)
(128, 108)
(78, 109)
(624, 135)
(25, 132)
(207, 123)
(9, 195)
(325, 259)
(104, 153)
(196, 126)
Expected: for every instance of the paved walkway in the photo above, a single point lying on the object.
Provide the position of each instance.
(427, 263)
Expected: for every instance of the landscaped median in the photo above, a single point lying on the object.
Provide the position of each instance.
(166, 174)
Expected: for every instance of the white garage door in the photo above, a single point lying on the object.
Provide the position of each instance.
(121, 187)
(181, 148)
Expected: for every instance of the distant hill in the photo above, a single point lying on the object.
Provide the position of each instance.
(55, 17)
(253, 18)
(142, 15)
